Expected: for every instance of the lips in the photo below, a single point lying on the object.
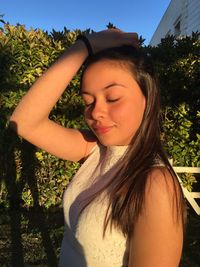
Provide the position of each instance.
(102, 129)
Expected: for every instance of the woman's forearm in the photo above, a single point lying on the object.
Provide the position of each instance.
(36, 105)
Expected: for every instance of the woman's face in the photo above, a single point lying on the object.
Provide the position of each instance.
(114, 103)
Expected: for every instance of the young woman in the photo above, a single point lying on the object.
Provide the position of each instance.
(124, 206)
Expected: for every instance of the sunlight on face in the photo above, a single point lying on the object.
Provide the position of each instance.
(114, 103)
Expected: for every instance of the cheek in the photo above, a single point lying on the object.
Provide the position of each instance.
(129, 114)
(138, 110)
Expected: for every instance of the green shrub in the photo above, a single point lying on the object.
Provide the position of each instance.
(30, 176)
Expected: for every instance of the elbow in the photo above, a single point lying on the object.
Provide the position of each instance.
(17, 125)
(13, 124)
(19, 128)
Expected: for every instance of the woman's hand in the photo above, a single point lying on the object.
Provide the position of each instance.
(111, 38)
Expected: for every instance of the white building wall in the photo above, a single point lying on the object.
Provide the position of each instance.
(187, 12)
(193, 16)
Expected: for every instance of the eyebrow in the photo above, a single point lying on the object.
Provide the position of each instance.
(105, 88)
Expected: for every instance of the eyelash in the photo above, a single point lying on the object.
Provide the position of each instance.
(113, 100)
(108, 100)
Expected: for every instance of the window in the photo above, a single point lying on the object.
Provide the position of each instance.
(177, 27)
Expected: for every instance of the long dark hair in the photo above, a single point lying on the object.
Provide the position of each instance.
(126, 189)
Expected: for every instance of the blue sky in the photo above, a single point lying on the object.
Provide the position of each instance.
(141, 16)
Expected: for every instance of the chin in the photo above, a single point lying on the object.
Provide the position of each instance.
(112, 142)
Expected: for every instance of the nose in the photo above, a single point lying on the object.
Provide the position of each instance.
(98, 111)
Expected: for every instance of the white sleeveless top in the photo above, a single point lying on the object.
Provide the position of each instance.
(83, 242)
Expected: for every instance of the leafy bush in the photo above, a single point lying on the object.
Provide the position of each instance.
(177, 64)
(32, 177)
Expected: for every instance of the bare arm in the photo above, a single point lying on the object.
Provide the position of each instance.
(158, 235)
(31, 116)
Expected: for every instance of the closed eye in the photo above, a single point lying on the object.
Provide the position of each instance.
(89, 104)
(113, 100)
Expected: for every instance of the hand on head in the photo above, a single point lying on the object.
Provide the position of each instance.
(111, 38)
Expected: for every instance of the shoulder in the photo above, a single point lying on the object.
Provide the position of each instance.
(158, 232)
(163, 190)
(161, 181)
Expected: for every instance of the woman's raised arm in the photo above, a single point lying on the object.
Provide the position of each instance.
(31, 117)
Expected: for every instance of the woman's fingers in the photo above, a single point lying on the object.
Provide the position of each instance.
(112, 38)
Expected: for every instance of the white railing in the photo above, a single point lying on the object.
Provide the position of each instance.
(190, 196)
